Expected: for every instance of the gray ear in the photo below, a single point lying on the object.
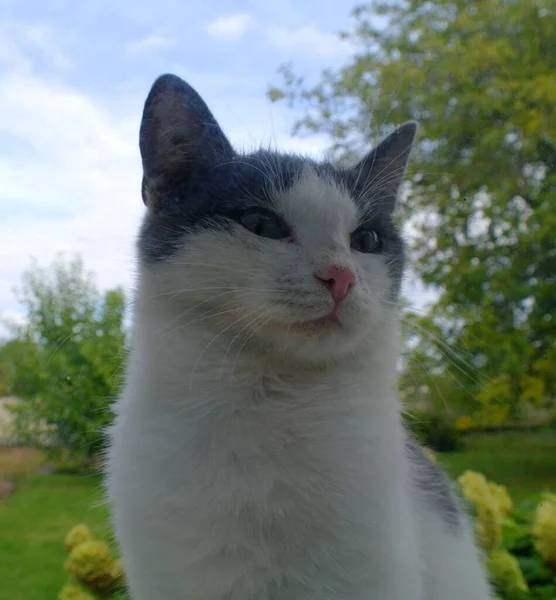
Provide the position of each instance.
(381, 172)
(178, 137)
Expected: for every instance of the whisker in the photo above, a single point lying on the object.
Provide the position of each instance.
(167, 326)
(213, 340)
(181, 263)
(239, 334)
(202, 289)
(257, 328)
(450, 353)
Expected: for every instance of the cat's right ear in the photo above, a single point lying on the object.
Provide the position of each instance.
(178, 137)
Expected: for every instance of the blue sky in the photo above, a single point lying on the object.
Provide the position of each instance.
(73, 77)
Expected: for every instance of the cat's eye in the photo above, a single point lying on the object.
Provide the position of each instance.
(264, 223)
(365, 240)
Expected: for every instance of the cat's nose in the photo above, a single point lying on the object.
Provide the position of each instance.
(338, 280)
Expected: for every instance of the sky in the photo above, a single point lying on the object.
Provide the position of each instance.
(73, 79)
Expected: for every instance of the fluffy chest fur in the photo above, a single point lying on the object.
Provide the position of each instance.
(256, 483)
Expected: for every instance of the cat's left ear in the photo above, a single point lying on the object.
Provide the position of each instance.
(381, 172)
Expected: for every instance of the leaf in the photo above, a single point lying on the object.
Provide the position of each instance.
(535, 570)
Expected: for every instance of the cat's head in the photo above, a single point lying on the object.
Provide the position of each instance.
(268, 250)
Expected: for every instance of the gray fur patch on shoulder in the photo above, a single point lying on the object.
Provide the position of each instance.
(432, 484)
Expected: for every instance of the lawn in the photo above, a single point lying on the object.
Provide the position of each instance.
(524, 462)
(33, 524)
(36, 518)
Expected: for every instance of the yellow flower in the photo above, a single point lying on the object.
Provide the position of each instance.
(488, 527)
(475, 487)
(76, 536)
(492, 503)
(502, 498)
(544, 529)
(73, 592)
(505, 573)
(92, 564)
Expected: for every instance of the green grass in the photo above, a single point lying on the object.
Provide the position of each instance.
(524, 462)
(33, 524)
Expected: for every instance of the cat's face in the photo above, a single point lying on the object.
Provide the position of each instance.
(264, 250)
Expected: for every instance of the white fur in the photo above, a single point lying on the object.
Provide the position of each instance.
(253, 459)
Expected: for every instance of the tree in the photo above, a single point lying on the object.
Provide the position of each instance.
(480, 77)
(65, 359)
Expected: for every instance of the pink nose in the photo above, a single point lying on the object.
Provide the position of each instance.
(338, 280)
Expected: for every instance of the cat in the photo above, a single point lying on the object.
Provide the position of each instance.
(258, 450)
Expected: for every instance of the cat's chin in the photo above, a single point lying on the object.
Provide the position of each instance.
(323, 339)
(323, 325)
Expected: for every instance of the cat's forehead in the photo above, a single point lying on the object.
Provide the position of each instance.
(299, 188)
(318, 200)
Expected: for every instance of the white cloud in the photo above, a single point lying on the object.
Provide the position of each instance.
(149, 43)
(44, 39)
(83, 168)
(17, 38)
(230, 27)
(317, 43)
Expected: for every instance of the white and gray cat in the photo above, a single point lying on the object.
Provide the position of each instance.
(258, 451)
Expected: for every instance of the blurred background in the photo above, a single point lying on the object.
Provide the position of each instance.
(478, 375)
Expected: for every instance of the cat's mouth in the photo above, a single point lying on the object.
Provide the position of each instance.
(332, 319)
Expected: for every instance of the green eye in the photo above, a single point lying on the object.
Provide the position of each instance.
(264, 223)
(365, 240)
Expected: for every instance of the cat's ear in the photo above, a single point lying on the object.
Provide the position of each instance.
(381, 172)
(178, 137)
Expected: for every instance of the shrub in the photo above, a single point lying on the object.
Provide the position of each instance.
(64, 359)
(76, 536)
(74, 592)
(506, 573)
(544, 529)
(464, 423)
(94, 572)
(519, 541)
(434, 431)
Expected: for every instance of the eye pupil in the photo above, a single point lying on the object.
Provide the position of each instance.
(365, 240)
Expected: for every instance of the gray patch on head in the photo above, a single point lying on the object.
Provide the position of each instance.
(432, 485)
(213, 197)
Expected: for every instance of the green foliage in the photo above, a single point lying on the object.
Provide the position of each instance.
(64, 361)
(94, 572)
(434, 431)
(18, 368)
(520, 540)
(480, 77)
